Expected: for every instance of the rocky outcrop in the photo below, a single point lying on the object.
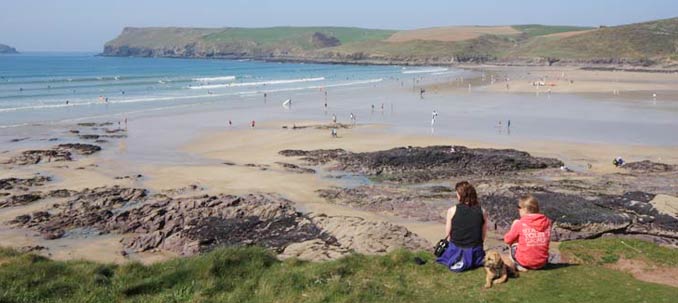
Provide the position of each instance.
(368, 237)
(192, 225)
(23, 183)
(63, 152)
(585, 217)
(6, 49)
(296, 168)
(422, 164)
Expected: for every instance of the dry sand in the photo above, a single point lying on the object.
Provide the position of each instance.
(577, 81)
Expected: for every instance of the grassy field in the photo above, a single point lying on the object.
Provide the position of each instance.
(254, 275)
(534, 30)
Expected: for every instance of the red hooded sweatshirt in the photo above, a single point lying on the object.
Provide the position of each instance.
(533, 233)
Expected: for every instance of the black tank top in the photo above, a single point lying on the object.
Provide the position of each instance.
(467, 226)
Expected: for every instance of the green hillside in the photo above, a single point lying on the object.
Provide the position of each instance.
(648, 43)
(255, 275)
(650, 40)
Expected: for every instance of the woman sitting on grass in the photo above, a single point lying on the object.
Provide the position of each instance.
(529, 237)
(465, 227)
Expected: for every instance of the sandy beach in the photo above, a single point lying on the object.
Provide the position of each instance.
(240, 160)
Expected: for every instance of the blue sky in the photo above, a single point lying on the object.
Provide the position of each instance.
(85, 25)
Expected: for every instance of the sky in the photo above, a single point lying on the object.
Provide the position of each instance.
(86, 25)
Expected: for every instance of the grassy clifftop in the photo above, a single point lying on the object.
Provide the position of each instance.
(254, 275)
(649, 43)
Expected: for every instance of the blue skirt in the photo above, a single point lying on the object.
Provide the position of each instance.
(459, 259)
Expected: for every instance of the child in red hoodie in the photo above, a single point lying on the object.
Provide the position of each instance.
(529, 237)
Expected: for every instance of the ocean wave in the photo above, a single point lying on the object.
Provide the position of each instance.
(122, 101)
(271, 82)
(370, 81)
(445, 73)
(173, 98)
(425, 71)
(215, 79)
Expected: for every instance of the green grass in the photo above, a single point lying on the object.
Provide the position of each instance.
(254, 275)
(609, 250)
(533, 30)
(298, 36)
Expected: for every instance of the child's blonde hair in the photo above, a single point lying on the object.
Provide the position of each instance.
(529, 203)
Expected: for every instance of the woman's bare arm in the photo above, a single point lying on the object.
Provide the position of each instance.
(484, 225)
(448, 222)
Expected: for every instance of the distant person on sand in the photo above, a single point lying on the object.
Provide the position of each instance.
(334, 118)
(508, 124)
(529, 236)
(230, 123)
(421, 93)
(334, 132)
(618, 161)
(353, 119)
(253, 123)
(465, 229)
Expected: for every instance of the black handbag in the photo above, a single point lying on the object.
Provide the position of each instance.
(440, 248)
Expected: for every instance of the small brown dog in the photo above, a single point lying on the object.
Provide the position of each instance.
(496, 270)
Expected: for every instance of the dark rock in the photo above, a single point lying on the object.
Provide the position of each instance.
(18, 200)
(61, 193)
(647, 166)
(10, 183)
(296, 168)
(89, 137)
(82, 149)
(18, 139)
(74, 131)
(582, 217)
(61, 152)
(420, 164)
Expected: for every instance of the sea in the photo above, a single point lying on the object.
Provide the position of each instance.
(49, 87)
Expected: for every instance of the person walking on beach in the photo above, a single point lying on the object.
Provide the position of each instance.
(265, 97)
(253, 123)
(508, 123)
(334, 118)
(230, 123)
(353, 119)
